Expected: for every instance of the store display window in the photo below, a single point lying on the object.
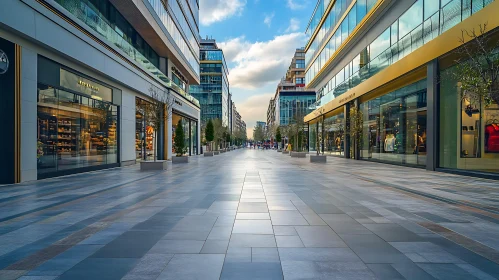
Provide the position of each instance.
(144, 133)
(394, 126)
(469, 133)
(187, 127)
(74, 131)
(334, 135)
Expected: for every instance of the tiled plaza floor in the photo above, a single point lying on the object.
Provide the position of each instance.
(252, 215)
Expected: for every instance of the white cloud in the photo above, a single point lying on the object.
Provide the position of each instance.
(268, 19)
(254, 109)
(260, 63)
(212, 11)
(294, 25)
(294, 5)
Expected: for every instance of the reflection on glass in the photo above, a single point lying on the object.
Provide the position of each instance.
(394, 126)
(74, 131)
(334, 135)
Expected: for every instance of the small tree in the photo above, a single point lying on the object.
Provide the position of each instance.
(158, 111)
(356, 126)
(179, 140)
(209, 133)
(278, 136)
(478, 67)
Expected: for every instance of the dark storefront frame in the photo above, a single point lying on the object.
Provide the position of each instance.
(49, 76)
(192, 144)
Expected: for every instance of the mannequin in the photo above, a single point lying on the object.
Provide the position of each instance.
(389, 143)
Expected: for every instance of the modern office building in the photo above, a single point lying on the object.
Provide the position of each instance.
(291, 99)
(261, 124)
(391, 65)
(213, 91)
(75, 74)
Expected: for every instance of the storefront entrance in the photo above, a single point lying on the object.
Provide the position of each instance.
(77, 124)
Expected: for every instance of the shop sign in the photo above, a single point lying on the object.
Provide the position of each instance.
(178, 102)
(77, 83)
(4, 62)
(347, 98)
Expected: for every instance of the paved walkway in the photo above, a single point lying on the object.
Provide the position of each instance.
(252, 215)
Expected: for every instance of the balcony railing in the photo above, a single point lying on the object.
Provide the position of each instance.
(89, 15)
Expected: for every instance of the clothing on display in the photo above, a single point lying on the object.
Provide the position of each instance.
(492, 137)
(390, 143)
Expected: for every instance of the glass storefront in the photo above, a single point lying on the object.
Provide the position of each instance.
(77, 125)
(469, 134)
(334, 135)
(144, 134)
(313, 137)
(394, 126)
(190, 133)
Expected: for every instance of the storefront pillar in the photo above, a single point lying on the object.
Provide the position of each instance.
(322, 135)
(432, 96)
(160, 142)
(346, 124)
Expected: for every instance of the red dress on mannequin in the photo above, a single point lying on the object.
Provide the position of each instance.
(492, 137)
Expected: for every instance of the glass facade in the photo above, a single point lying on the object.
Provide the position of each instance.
(190, 133)
(75, 131)
(144, 134)
(213, 91)
(294, 104)
(334, 135)
(421, 23)
(394, 126)
(469, 134)
(190, 47)
(103, 18)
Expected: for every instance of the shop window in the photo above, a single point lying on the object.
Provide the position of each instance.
(469, 133)
(394, 126)
(74, 131)
(144, 134)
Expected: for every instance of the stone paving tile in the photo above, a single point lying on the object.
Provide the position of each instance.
(326, 270)
(253, 227)
(252, 270)
(193, 266)
(249, 214)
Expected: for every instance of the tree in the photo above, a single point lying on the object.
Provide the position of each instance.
(158, 111)
(478, 67)
(209, 133)
(258, 134)
(278, 136)
(179, 140)
(219, 131)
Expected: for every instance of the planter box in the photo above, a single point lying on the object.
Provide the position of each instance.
(279, 151)
(208, 154)
(153, 165)
(182, 159)
(222, 151)
(285, 152)
(216, 153)
(318, 158)
(299, 154)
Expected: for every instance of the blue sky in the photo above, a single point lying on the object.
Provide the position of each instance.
(259, 38)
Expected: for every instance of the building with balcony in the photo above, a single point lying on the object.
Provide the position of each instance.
(387, 89)
(213, 91)
(291, 98)
(77, 75)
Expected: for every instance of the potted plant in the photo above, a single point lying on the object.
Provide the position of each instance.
(156, 112)
(210, 136)
(179, 145)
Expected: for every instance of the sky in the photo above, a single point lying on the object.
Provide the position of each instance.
(258, 38)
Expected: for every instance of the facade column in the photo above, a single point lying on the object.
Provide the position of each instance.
(322, 134)
(168, 143)
(160, 142)
(163, 65)
(432, 97)
(346, 124)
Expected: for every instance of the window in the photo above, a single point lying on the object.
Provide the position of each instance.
(411, 18)
(300, 63)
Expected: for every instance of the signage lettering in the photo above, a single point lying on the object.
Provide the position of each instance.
(87, 85)
(347, 98)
